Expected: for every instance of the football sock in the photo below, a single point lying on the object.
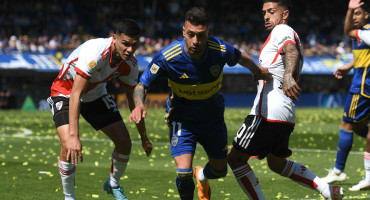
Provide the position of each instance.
(367, 166)
(185, 184)
(119, 164)
(201, 176)
(67, 174)
(303, 176)
(211, 173)
(344, 146)
(248, 182)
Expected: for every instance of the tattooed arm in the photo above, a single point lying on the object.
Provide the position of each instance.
(139, 111)
(291, 62)
(145, 142)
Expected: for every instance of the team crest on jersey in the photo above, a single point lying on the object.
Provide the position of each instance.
(154, 68)
(59, 105)
(174, 140)
(92, 64)
(215, 70)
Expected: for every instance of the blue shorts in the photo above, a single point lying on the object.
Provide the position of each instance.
(185, 135)
(356, 109)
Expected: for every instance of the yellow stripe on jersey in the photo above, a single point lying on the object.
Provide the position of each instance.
(362, 60)
(168, 51)
(170, 110)
(216, 45)
(362, 57)
(354, 103)
(215, 48)
(174, 55)
(196, 92)
(172, 52)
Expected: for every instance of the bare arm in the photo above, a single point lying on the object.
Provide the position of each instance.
(147, 145)
(348, 22)
(139, 111)
(343, 70)
(291, 62)
(258, 71)
(74, 146)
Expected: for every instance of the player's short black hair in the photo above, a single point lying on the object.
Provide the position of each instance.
(197, 16)
(129, 27)
(287, 4)
(365, 6)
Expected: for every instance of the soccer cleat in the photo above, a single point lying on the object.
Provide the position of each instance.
(336, 193)
(333, 176)
(204, 190)
(362, 185)
(116, 192)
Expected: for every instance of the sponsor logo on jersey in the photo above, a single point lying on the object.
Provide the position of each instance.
(92, 64)
(215, 70)
(154, 68)
(184, 76)
(59, 105)
(174, 141)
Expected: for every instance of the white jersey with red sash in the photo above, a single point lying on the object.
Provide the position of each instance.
(270, 103)
(93, 60)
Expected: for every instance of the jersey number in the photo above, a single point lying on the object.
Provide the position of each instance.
(178, 128)
(109, 102)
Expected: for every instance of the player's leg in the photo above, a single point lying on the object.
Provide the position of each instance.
(293, 170)
(103, 115)
(59, 108)
(183, 144)
(248, 141)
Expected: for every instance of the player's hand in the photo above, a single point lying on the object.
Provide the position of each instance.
(353, 4)
(341, 71)
(263, 74)
(137, 114)
(74, 150)
(147, 146)
(291, 88)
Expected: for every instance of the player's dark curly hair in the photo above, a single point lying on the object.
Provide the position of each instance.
(129, 27)
(284, 3)
(197, 16)
(365, 6)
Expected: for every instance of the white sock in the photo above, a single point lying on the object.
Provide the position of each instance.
(201, 176)
(367, 166)
(67, 175)
(119, 164)
(248, 182)
(337, 171)
(303, 176)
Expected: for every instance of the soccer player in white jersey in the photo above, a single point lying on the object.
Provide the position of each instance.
(266, 130)
(81, 88)
(358, 102)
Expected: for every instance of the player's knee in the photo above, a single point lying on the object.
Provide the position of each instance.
(184, 173)
(212, 173)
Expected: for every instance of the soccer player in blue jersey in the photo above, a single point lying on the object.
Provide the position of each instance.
(357, 107)
(195, 107)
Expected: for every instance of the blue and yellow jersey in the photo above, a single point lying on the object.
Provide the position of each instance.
(361, 78)
(193, 85)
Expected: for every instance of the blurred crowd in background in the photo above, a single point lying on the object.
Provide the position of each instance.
(55, 26)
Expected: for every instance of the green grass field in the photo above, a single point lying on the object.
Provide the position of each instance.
(29, 149)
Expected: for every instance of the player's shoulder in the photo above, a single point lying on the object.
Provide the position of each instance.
(366, 27)
(282, 28)
(216, 44)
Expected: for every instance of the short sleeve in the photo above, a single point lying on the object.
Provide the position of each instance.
(155, 69)
(282, 35)
(234, 55)
(87, 60)
(129, 78)
(363, 35)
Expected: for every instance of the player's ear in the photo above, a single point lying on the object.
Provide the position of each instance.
(114, 36)
(285, 15)
(183, 30)
(366, 16)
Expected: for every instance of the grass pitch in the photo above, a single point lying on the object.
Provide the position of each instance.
(29, 149)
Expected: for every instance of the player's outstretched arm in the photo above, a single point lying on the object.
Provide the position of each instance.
(343, 70)
(145, 142)
(74, 144)
(348, 22)
(291, 61)
(258, 71)
(139, 111)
